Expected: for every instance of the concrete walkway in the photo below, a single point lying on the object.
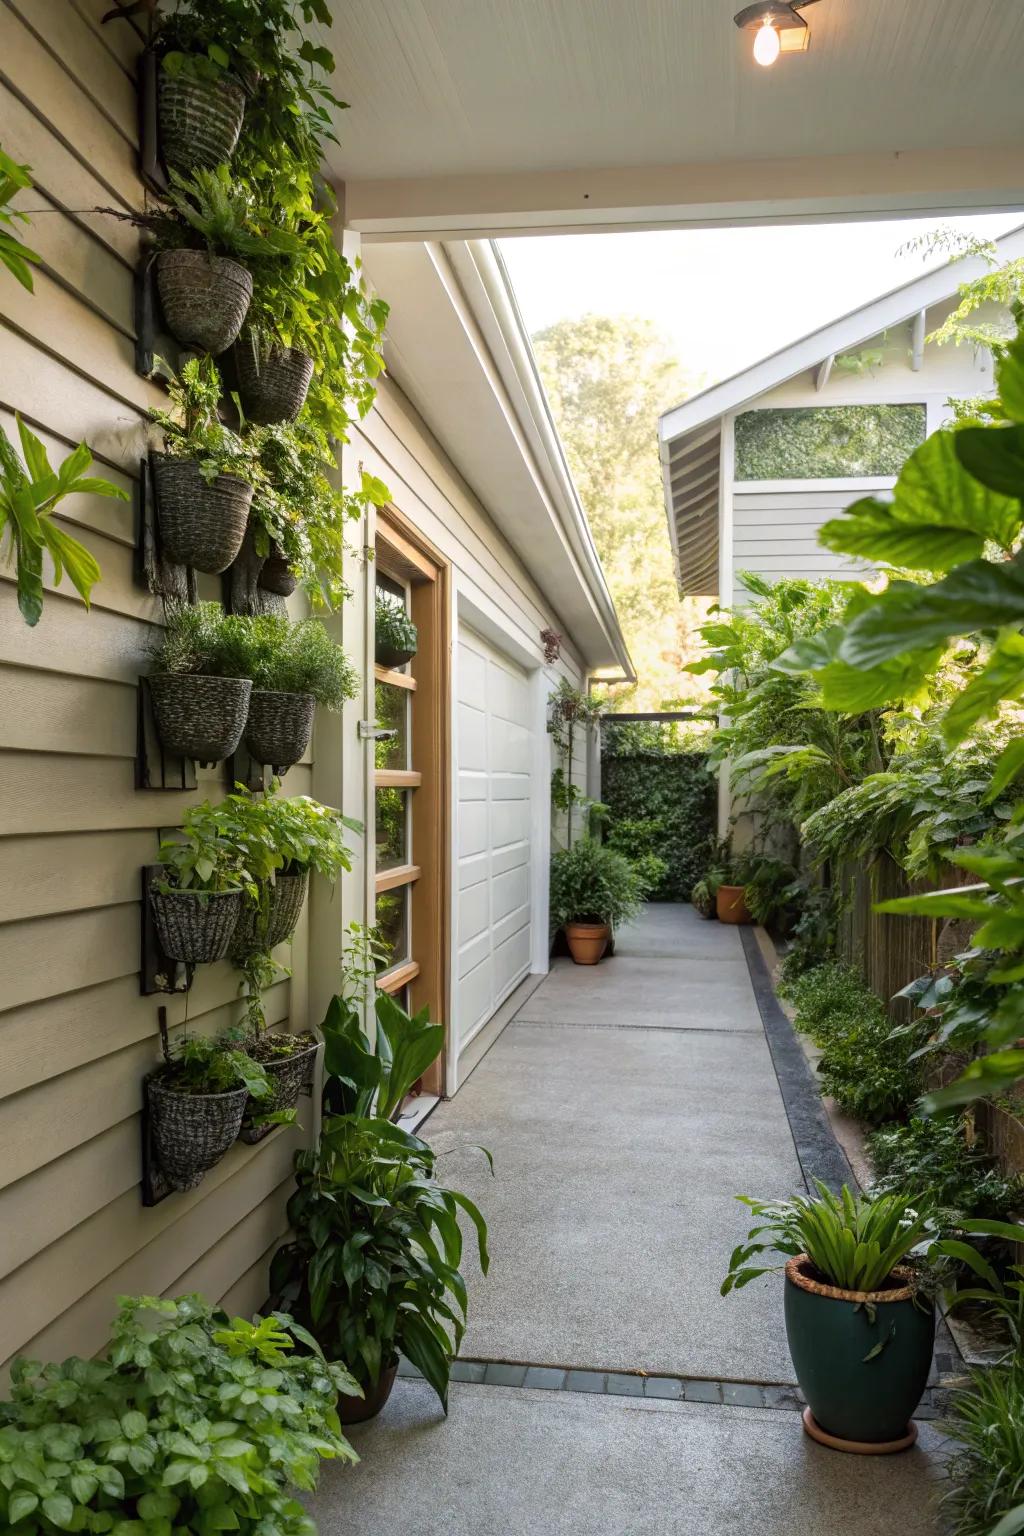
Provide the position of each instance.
(625, 1105)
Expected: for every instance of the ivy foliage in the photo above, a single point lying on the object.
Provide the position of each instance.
(825, 442)
(661, 801)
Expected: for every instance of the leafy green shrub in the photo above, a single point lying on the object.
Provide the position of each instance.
(661, 802)
(203, 1065)
(393, 626)
(197, 640)
(934, 1155)
(591, 883)
(283, 657)
(814, 936)
(192, 428)
(189, 1422)
(865, 1065)
(987, 1464)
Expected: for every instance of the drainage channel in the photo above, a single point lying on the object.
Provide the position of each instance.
(676, 1389)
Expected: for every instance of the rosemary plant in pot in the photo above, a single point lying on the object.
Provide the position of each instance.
(859, 1319)
(592, 890)
(294, 667)
(198, 900)
(198, 684)
(395, 635)
(373, 1269)
(196, 1101)
(204, 476)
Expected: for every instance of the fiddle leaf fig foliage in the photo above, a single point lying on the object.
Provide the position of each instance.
(189, 1422)
(30, 493)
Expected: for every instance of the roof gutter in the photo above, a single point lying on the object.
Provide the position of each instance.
(554, 466)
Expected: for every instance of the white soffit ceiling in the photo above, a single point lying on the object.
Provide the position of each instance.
(460, 87)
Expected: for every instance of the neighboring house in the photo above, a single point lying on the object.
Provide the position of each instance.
(485, 539)
(755, 465)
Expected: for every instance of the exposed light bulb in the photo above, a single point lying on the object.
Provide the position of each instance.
(766, 43)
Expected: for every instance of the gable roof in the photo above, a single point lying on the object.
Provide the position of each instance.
(689, 434)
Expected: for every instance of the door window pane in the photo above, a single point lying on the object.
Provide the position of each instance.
(393, 925)
(392, 825)
(391, 707)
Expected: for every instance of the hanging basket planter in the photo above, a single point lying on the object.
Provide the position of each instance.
(390, 656)
(277, 575)
(192, 1131)
(202, 522)
(200, 120)
(288, 1075)
(286, 899)
(205, 298)
(195, 927)
(279, 727)
(199, 717)
(272, 385)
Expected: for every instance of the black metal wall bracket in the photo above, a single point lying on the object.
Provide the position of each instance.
(158, 973)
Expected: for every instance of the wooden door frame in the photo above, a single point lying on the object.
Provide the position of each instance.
(402, 552)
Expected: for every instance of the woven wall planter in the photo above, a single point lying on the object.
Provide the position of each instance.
(202, 522)
(200, 120)
(389, 655)
(277, 575)
(199, 717)
(273, 387)
(279, 727)
(205, 299)
(288, 1076)
(286, 898)
(192, 1131)
(193, 927)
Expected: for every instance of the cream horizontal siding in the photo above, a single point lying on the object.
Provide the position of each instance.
(76, 1037)
(775, 533)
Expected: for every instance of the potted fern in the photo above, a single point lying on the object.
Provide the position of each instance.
(196, 1100)
(197, 901)
(294, 667)
(592, 890)
(204, 476)
(859, 1320)
(395, 635)
(198, 682)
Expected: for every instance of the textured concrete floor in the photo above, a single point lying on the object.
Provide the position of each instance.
(619, 1143)
(514, 1462)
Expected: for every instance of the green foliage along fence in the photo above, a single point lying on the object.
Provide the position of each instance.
(661, 798)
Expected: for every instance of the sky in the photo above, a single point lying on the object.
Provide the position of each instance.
(726, 297)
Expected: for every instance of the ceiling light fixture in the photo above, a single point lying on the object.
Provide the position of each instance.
(777, 26)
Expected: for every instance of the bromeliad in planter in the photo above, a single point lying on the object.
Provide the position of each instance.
(294, 667)
(395, 635)
(373, 1270)
(859, 1320)
(196, 1101)
(188, 1421)
(198, 682)
(204, 476)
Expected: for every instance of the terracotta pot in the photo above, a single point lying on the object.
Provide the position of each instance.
(587, 941)
(356, 1410)
(731, 904)
(862, 1360)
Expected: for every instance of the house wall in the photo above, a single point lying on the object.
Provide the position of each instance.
(774, 523)
(76, 1037)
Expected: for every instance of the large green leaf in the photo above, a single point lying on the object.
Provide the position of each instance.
(939, 516)
(1010, 380)
(421, 1346)
(994, 456)
(979, 595)
(1001, 678)
(413, 1044)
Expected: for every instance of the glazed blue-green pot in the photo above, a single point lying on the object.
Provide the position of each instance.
(855, 1394)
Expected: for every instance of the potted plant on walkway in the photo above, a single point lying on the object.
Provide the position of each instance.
(373, 1268)
(172, 1427)
(196, 1101)
(197, 901)
(592, 890)
(294, 667)
(198, 684)
(859, 1320)
(204, 476)
(395, 635)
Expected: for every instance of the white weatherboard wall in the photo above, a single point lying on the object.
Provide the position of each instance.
(494, 758)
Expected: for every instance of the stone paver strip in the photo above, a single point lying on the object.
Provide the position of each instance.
(547, 1377)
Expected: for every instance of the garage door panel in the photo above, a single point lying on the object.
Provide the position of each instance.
(495, 742)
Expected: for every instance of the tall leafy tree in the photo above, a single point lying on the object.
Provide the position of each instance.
(608, 378)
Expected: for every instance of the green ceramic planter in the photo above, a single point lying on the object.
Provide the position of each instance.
(867, 1402)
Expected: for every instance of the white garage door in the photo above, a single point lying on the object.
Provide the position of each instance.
(495, 748)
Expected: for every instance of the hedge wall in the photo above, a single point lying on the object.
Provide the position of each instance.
(661, 799)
